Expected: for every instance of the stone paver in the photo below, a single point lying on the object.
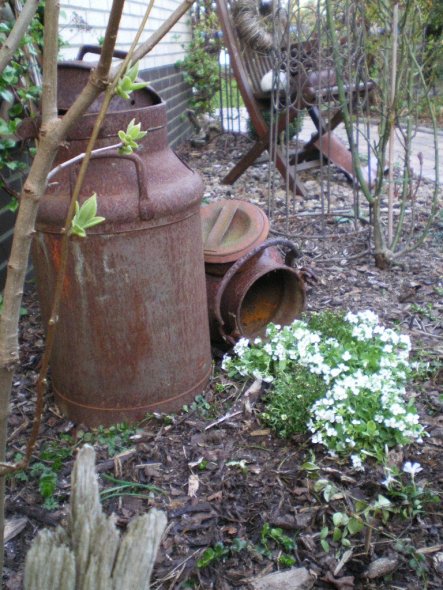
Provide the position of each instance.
(423, 142)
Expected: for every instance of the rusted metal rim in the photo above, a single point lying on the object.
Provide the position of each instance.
(294, 253)
(231, 229)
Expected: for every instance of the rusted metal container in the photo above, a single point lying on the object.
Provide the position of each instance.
(133, 332)
(249, 283)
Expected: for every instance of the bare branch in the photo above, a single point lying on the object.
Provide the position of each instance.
(18, 30)
(80, 157)
(107, 52)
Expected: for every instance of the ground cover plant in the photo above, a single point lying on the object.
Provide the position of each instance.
(342, 377)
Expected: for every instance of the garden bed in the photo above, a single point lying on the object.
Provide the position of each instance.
(240, 501)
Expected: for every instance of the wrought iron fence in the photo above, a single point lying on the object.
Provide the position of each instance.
(339, 85)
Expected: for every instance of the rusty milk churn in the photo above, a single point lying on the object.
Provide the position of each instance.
(133, 331)
(248, 282)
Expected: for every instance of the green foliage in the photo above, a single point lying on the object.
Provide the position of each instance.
(130, 137)
(127, 84)
(18, 91)
(52, 458)
(416, 561)
(272, 542)
(212, 554)
(116, 438)
(288, 405)
(199, 405)
(85, 217)
(276, 534)
(412, 499)
(128, 488)
(340, 377)
(200, 65)
(293, 128)
(353, 519)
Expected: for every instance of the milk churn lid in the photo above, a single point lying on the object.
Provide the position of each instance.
(231, 228)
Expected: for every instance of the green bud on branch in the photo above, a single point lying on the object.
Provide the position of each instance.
(130, 137)
(127, 84)
(85, 217)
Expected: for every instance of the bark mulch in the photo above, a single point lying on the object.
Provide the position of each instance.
(227, 482)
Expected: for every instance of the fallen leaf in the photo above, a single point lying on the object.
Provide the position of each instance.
(13, 527)
(344, 583)
(381, 567)
(193, 485)
(262, 432)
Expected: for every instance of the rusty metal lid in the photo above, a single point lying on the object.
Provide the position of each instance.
(231, 229)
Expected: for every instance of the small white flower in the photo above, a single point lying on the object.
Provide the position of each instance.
(351, 318)
(241, 347)
(346, 356)
(412, 468)
(388, 480)
(357, 463)
(225, 362)
(268, 348)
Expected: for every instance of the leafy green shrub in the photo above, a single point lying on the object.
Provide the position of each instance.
(19, 94)
(200, 65)
(342, 378)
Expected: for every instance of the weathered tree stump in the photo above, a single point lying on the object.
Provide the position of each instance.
(90, 554)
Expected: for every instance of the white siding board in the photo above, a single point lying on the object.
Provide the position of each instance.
(94, 14)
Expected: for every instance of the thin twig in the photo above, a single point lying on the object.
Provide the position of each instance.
(20, 27)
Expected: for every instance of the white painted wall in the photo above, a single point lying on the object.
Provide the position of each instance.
(84, 22)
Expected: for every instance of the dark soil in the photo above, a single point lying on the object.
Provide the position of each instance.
(223, 475)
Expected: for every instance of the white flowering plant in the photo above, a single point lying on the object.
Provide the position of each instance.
(401, 486)
(340, 377)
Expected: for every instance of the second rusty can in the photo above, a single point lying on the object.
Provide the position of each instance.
(249, 283)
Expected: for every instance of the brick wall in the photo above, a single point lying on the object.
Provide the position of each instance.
(168, 82)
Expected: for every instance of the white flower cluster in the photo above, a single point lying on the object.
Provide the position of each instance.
(364, 370)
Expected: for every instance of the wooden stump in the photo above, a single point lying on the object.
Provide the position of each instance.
(90, 554)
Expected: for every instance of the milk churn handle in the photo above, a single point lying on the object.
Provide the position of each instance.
(145, 205)
(84, 49)
(294, 253)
